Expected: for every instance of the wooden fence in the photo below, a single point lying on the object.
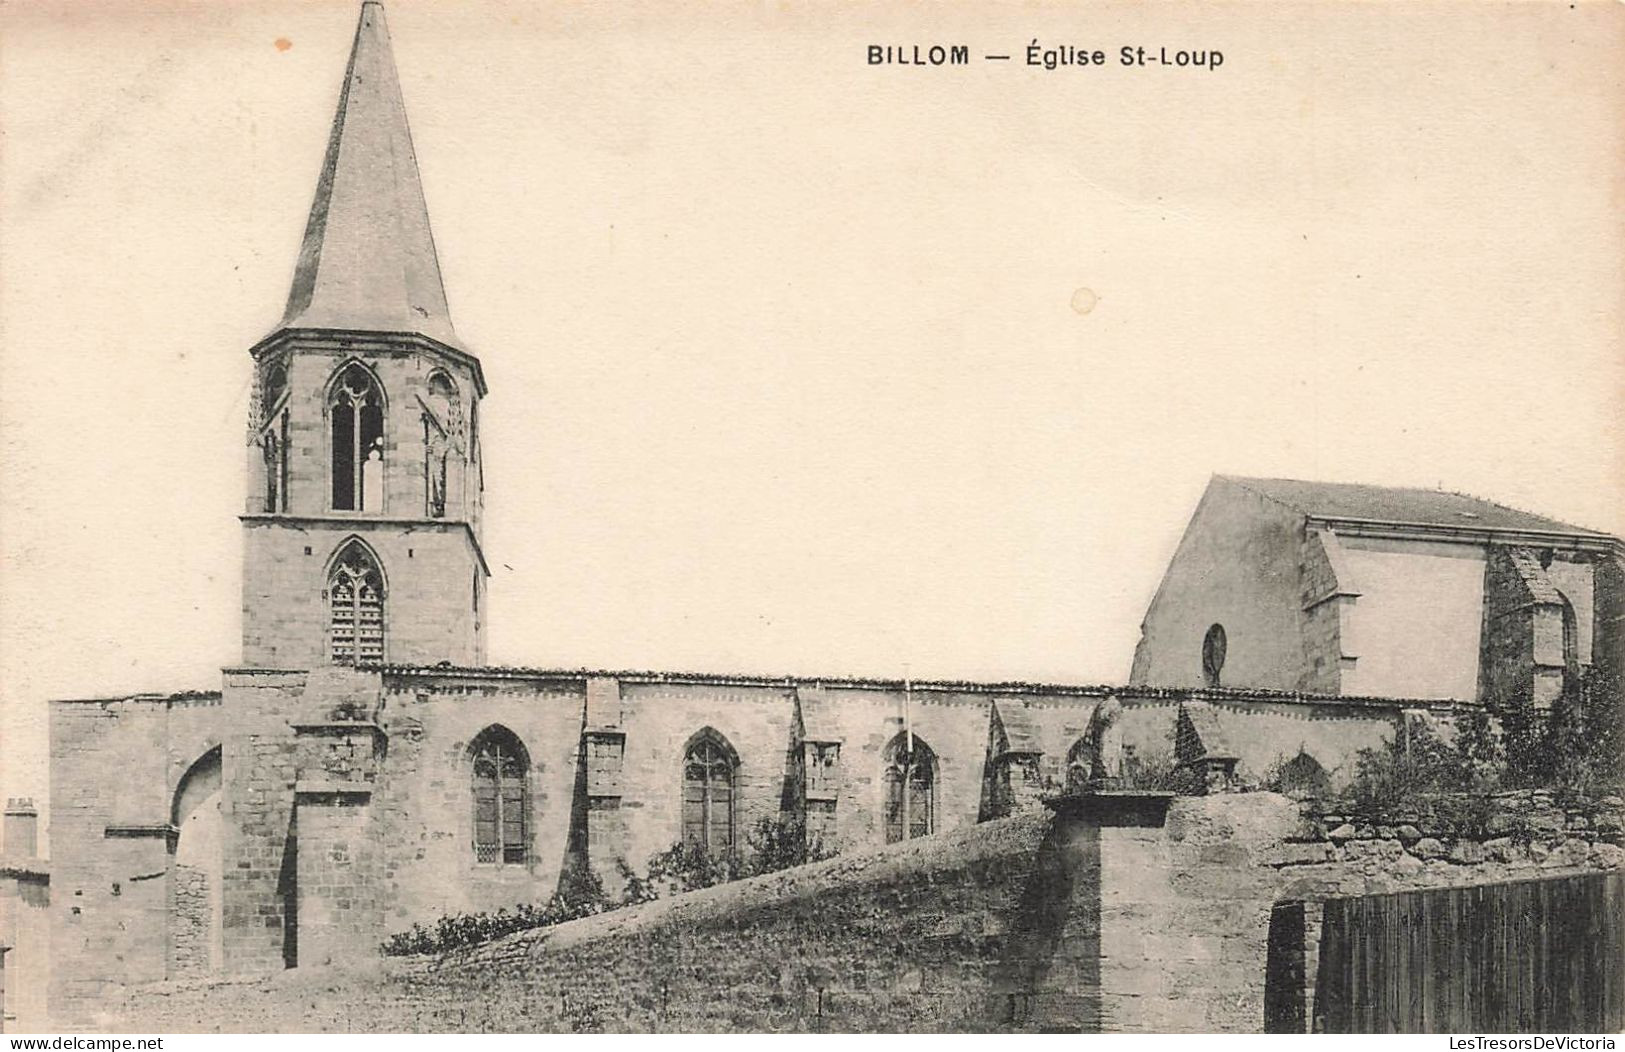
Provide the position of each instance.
(1534, 956)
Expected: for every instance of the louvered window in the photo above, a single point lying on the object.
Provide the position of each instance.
(500, 763)
(355, 597)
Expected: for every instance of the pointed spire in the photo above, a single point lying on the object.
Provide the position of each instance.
(368, 260)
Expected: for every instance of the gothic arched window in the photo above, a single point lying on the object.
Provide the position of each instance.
(500, 765)
(911, 788)
(1080, 765)
(356, 408)
(273, 436)
(355, 604)
(709, 768)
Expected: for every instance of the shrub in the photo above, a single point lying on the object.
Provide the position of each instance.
(1575, 748)
(1298, 776)
(1390, 778)
(583, 898)
(1417, 774)
(772, 844)
(689, 867)
(782, 842)
(1159, 772)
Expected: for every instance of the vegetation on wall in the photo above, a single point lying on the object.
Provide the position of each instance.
(771, 845)
(1573, 751)
(1159, 772)
(470, 929)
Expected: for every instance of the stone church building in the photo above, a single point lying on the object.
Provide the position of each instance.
(362, 768)
(1346, 589)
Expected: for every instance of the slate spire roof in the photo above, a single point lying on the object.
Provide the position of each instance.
(368, 260)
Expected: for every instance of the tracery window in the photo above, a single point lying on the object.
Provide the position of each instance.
(709, 769)
(356, 409)
(500, 774)
(355, 602)
(911, 789)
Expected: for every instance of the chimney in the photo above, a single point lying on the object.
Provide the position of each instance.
(20, 838)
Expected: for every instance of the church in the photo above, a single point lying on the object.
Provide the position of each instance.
(362, 768)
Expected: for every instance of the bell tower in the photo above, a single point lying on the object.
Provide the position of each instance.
(362, 529)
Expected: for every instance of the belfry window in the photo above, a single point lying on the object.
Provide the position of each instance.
(500, 766)
(356, 408)
(709, 769)
(911, 788)
(355, 603)
(273, 436)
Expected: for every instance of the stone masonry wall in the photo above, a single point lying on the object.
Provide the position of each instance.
(415, 730)
(339, 912)
(429, 569)
(190, 921)
(794, 950)
(1507, 656)
(115, 767)
(1608, 622)
(1323, 597)
(422, 806)
(259, 766)
(430, 565)
(1114, 917)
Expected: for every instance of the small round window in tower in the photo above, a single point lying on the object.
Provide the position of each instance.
(1213, 647)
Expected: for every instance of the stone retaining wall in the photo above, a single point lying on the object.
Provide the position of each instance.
(1126, 913)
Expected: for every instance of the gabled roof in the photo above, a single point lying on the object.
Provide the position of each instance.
(368, 260)
(1393, 504)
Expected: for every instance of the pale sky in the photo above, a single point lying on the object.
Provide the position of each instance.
(786, 375)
